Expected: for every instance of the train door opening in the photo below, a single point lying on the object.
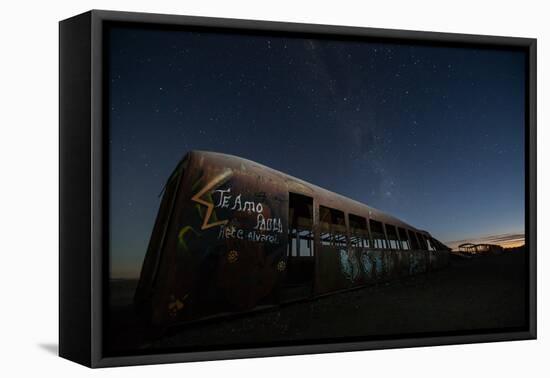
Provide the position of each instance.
(300, 266)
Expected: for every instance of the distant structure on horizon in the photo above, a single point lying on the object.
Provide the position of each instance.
(480, 249)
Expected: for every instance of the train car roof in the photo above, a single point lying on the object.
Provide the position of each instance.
(295, 185)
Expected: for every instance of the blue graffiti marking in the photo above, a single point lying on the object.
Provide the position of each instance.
(349, 265)
(367, 264)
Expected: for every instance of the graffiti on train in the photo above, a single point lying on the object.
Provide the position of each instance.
(266, 229)
(232, 232)
(372, 263)
(417, 264)
(349, 265)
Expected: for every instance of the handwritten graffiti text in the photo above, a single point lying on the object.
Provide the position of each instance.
(232, 232)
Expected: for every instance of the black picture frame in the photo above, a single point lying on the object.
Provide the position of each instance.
(83, 197)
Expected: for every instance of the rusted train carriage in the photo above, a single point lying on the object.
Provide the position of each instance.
(232, 235)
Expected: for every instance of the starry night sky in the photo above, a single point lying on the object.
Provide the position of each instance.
(432, 135)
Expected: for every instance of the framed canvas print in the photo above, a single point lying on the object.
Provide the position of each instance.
(234, 188)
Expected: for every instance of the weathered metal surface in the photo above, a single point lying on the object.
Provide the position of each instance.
(222, 243)
(219, 244)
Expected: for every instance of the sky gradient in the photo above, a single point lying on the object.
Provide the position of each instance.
(432, 135)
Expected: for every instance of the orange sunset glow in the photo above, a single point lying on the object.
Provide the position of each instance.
(508, 240)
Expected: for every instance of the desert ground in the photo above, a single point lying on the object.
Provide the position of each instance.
(482, 293)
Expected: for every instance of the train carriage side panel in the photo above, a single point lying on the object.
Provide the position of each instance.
(225, 244)
(221, 242)
(338, 264)
(157, 247)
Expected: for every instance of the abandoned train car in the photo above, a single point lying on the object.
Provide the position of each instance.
(232, 235)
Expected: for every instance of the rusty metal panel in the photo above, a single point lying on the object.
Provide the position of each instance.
(340, 269)
(418, 262)
(225, 246)
(329, 278)
(371, 264)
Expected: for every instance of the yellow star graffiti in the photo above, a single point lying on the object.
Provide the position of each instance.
(210, 206)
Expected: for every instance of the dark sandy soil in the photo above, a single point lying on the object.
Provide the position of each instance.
(481, 293)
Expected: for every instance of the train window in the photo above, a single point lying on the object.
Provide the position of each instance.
(392, 236)
(300, 216)
(332, 227)
(427, 242)
(422, 241)
(378, 235)
(359, 233)
(413, 239)
(431, 244)
(403, 238)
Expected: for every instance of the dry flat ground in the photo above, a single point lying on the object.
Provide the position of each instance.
(485, 292)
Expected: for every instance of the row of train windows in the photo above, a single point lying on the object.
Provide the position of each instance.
(333, 231)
